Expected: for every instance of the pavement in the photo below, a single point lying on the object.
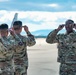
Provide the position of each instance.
(43, 59)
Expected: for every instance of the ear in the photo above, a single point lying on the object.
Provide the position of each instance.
(7, 32)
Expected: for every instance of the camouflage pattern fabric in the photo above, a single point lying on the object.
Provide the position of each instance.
(66, 47)
(6, 67)
(7, 47)
(6, 57)
(67, 69)
(20, 55)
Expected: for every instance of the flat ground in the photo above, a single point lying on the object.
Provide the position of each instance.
(43, 59)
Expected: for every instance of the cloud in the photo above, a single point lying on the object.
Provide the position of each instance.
(53, 5)
(37, 20)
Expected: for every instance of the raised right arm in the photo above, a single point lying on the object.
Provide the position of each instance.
(52, 36)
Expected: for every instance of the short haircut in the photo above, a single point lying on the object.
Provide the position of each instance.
(19, 23)
(69, 21)
(4, 26)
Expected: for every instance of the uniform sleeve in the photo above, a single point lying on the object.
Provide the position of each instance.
(2, 51)
(2, 48)
(52, 37)
(30, 39)
(6, 51)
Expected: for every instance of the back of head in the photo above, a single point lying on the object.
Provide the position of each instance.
(69, 21)
(4, 26)
(17, 23)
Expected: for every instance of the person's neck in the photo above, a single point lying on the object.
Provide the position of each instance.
(70, 32)
(4, 37)
(18, 34)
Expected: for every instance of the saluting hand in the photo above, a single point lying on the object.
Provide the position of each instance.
(74, 26)
(12, 31)
(26, 28)
(60, 27)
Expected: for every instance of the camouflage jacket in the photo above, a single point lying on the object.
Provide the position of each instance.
(6, 49)
(66, 46)
(20, 53)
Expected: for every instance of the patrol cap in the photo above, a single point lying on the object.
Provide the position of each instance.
(69, 21)
(4, 26)
(19, 23)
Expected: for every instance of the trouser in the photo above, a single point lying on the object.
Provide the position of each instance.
(6, 68)
(67, 69)
(20, 70)
(21, 65)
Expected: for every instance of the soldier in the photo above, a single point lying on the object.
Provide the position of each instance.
(7, 47)
(20, 55)
(66, 47)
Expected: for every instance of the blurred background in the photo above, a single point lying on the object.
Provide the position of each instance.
(41, 17)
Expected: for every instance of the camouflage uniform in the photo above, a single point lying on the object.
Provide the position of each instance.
(7, 48)
(66, 51)
(20, 55)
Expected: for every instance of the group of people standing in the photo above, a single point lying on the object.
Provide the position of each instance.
(13, 48)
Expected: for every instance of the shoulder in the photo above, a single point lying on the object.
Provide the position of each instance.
(61, 35)
(22, 36)
(73, 34)
(10, 37)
